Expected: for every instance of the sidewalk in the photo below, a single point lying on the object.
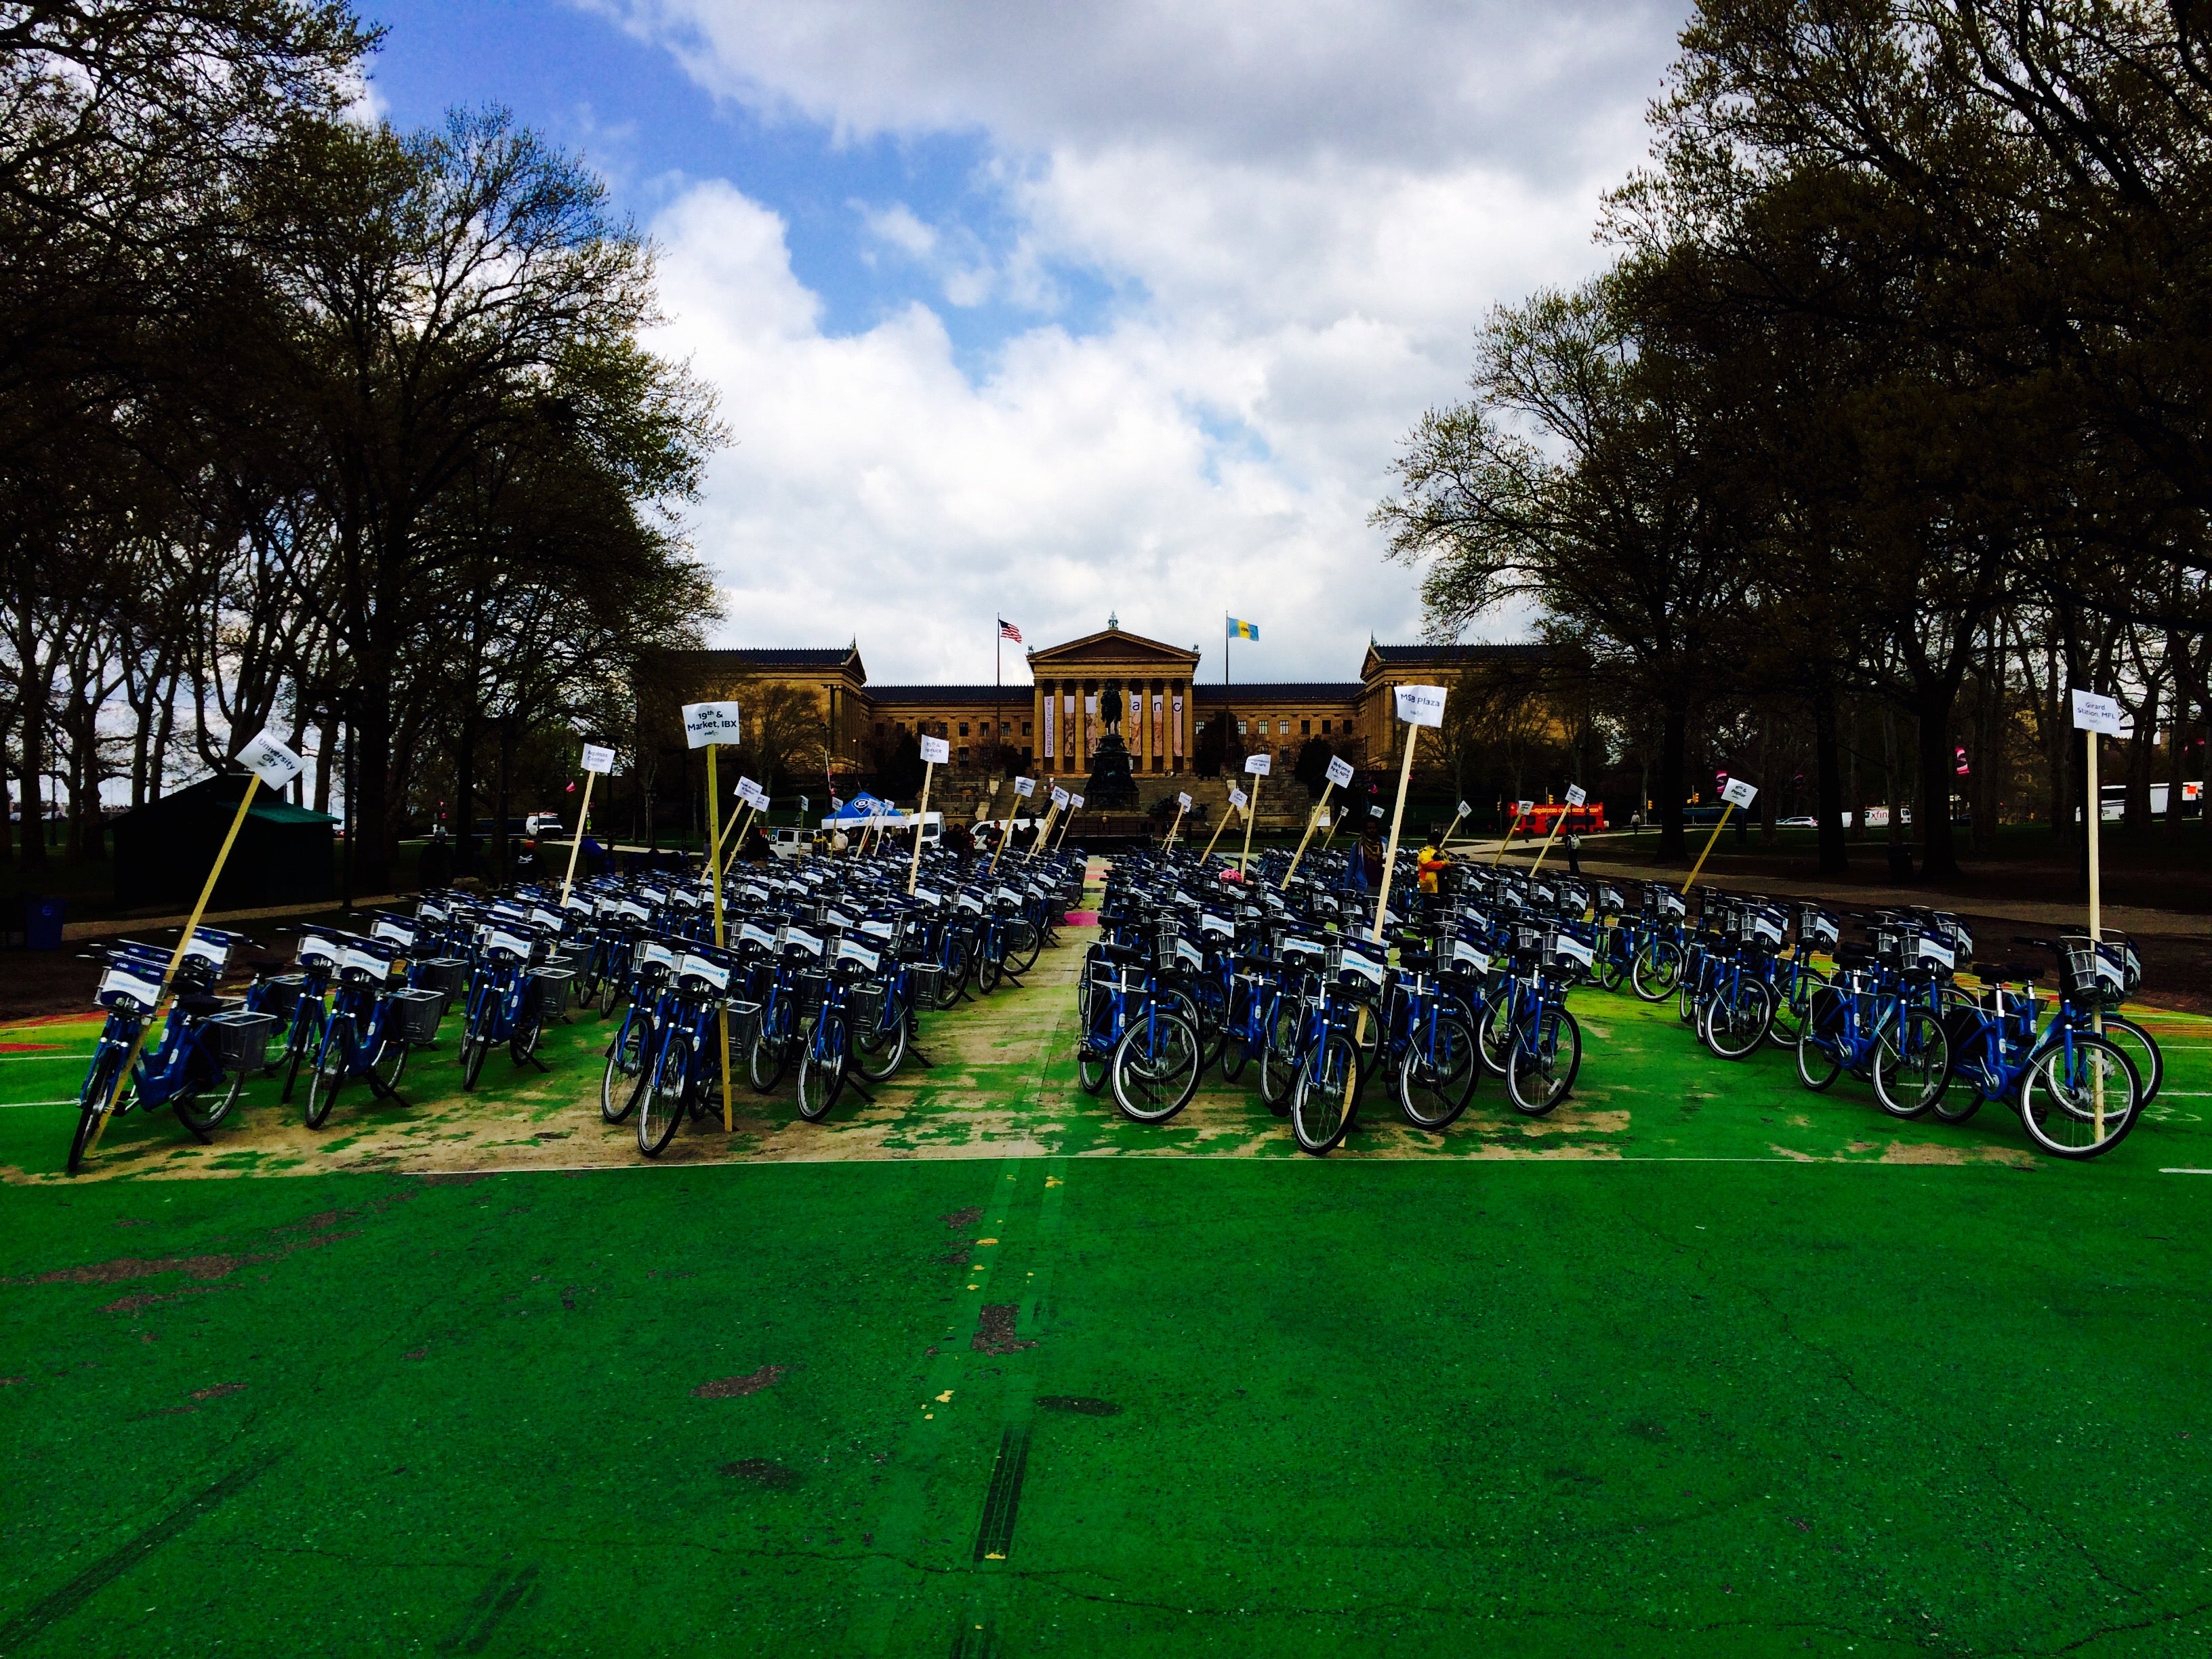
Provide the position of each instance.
(2072, 913)
(116, 928)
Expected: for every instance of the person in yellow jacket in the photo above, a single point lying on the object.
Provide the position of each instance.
(1434, 859)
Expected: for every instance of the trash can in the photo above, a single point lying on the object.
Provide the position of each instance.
(42, 923)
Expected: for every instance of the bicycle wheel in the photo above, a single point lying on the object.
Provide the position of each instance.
(1817, 1068)
(1789, 1012)
(297, 1053)
(1654, 970)
(475, 1045)
(390, 1062)
(92, 1102)
(326, 1076)
(881, 1050)
(1911, 1061)
(1734, 1024)
(1155, 1068)
(2142, 1052)
(1611, 972)
(624, 1078)
(661, 1103)
(2081, 1105)
(1278, 1065)
(523, 1045)
(989, 966)
(822, 1068)
(1209, 1001)
(1494, 1038)
(959, 962)
(1541, 1069)
(200, 1111)
(1023, 943)
(1321, 1098)
(1437, 1076)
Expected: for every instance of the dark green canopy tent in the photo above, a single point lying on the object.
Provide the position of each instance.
(164, 849)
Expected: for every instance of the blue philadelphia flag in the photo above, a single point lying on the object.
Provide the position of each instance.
(1242, 630)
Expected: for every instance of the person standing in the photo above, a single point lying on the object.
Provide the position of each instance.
(1574, 854)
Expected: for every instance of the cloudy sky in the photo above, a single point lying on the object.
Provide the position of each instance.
(1048, 310)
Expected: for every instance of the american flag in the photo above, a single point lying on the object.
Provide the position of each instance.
(1008, 631)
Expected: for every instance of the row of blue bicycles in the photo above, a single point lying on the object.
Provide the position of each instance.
(824, 968)
(1199, 965)
(1891, 1008)
(821, 977)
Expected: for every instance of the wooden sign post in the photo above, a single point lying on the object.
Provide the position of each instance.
(1051, 816)
(268, 760)
(1417, 706)
(1074, 805)
(1236, 801)
(2096, 717)
(1575, 796)
(1339, 776)
(1737, 792)
(1521, 808)
(934, 751)
(1464, 809)
(1024, 788)
(595, 760)
(1257, 766)
(708, 725)
(1182, 805)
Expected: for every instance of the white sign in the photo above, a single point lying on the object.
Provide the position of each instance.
(597, 759)
(753, 795)
(1238, 798)
(705, 723)
(1026, 785)
(1577, 794)
(1465, 811)
(2094, 714)
(1059, 796)
(1340, 773)
(1742, 794)
(936, 751)
(1421, 705)
(1183, 799)
(1260, 766)
(746, 787)
(269, 760)
(1076, 801)
(1522, 808)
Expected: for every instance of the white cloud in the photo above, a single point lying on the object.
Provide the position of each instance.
(1307, 210)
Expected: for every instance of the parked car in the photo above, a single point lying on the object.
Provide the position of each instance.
(1797, 824)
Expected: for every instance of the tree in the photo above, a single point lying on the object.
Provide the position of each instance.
(1618, 526)
(1312, 768)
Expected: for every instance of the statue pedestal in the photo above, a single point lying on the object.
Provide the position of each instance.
(1111, 787)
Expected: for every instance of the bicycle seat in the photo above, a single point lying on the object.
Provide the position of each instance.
(2007, 971)
(199, 1007)
(262, 966)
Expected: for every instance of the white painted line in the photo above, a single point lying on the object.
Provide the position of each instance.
(11, 1104)
(2185, 1171)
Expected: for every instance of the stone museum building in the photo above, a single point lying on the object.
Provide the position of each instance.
(1053, 722)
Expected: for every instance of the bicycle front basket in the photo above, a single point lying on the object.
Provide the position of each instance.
(548, 991)
(811, 987)
(744, 1025)
(447, 974)
(239, 1041)
(419, 1012)
(927, 979)
(865, 1000)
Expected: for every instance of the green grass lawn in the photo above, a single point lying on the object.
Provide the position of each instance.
(1719, 1367)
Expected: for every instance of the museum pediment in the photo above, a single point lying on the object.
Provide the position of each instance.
(1113, 648)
